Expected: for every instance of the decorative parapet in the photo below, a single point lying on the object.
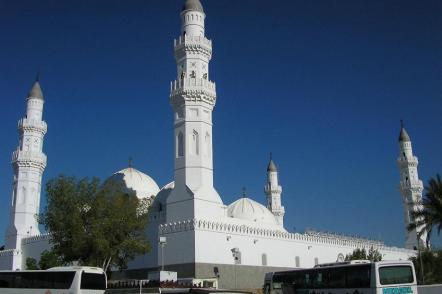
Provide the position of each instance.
(37, 238)
(193, 90)
(344, 237)
(9, 252)
(317, 238)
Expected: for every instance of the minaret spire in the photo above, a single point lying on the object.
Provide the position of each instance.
(29, 163)
(273, 192)
(411, 188)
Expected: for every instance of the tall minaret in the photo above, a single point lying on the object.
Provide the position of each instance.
(28, 162)
(193, 98)
(411, 188)
(273, 191)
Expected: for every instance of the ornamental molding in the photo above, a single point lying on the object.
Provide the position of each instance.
(308, 237)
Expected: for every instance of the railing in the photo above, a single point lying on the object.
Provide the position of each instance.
(192, 84)
(192, 40)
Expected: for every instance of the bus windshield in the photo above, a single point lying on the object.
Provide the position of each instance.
(390, 275)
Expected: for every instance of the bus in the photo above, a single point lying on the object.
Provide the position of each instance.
(58, 280)
(354, 277)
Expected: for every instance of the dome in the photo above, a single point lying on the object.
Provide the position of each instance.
(136, 181)
(248, 209)
(193, 5)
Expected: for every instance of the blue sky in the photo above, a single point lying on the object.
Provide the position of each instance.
(321, 84)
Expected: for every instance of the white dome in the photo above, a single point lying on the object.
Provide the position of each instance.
(248, 209)
(136, 181)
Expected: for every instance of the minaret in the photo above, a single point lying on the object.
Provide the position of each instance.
(193, 98)
(411, 188)
(28, 162)
(273, 191)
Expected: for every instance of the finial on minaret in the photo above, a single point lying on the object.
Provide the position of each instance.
(130, 162)
(244, 192)
(402, 123)
(37, 77)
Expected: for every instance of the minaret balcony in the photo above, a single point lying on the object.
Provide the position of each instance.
(193, 88)
(414, 186)
(29, 158)
(193, 40)
(32, 125)
(192, 45)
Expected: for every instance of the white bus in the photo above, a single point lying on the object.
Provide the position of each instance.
(59, 280)
(354, 277)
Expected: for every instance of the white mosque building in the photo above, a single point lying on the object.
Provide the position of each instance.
(205, 238)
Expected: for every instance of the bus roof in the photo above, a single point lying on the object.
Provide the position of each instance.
(88, 269)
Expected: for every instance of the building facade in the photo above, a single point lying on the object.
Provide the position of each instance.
(205, 238)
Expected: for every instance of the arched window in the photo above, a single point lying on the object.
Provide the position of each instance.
(13, 196)
(22, 197)
(264, 259)
(180, 145)
(195, 143)
(297, 261)
(207, 145)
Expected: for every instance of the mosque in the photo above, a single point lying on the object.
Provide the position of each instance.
(201, 236)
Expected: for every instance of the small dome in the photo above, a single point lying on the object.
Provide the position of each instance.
(136, 181)
(36, 91)
(193, 5)
(403, 136)
(248, 209)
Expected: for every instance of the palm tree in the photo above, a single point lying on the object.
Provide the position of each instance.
(430, 216)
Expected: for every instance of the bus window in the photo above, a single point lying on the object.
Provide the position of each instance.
(336, 278)
(358, 276)
(319, 279)
(395, 275)
(93, 281)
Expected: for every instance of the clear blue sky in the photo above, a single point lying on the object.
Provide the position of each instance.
(321, 84)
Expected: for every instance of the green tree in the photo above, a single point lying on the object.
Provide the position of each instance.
(374, 255)
(361, 254)
(432, 266)
(93, 224)
(49, 259)
(430, 216)
(357, 254)
(31, 264)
